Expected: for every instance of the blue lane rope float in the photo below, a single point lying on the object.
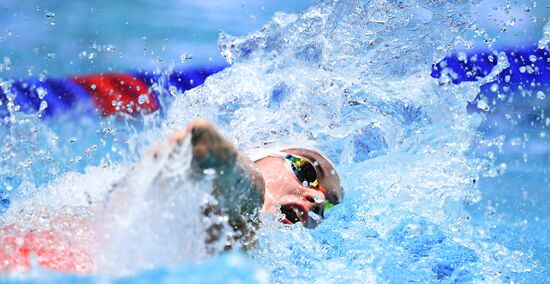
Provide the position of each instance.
(138, 92)
(104, 93)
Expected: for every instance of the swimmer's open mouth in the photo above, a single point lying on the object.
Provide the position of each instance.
(293, 214)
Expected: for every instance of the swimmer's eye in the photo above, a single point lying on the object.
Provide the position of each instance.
(303, 170)
(306, 173)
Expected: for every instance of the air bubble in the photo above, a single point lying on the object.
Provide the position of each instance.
(540, 95)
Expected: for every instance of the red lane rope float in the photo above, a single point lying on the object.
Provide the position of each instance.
(52, 250)
(117, 92)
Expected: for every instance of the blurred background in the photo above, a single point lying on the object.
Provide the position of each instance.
(68, 37)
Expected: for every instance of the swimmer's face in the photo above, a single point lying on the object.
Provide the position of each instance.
(284, 193)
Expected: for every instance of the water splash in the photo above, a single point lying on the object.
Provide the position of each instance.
(354, 79)
(338, 73)
(543, 42)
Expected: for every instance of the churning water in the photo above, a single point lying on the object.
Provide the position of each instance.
(422, 156)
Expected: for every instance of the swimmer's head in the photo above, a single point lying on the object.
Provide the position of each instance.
(300, 183)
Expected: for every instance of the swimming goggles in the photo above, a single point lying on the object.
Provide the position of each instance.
(306, 173)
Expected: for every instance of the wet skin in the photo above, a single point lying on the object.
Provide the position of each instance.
(281, 190)
(286, 194)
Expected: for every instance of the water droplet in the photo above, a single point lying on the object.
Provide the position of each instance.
(144, 98)
(72, 140)
(51, 18)
(533, 58)
(42, 76)
(110, 48)
(93, 86)
(43, 106)
(540, 95)
(185, 57)
(41, 92)
(173, 90)
(461, 56)
(481, 104)
(318, 199)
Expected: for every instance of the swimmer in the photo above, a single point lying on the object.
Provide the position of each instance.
(294, 183)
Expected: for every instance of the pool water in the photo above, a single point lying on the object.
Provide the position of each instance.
(441, 144)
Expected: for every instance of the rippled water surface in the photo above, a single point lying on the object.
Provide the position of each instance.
(438, 129)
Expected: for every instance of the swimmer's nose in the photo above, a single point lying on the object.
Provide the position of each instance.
(316, 208)
(318, 204)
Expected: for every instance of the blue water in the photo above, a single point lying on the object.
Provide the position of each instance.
(445, 171)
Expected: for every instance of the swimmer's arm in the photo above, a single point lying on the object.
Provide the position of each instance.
(238, 184)
(212, 151)
(236, 175)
